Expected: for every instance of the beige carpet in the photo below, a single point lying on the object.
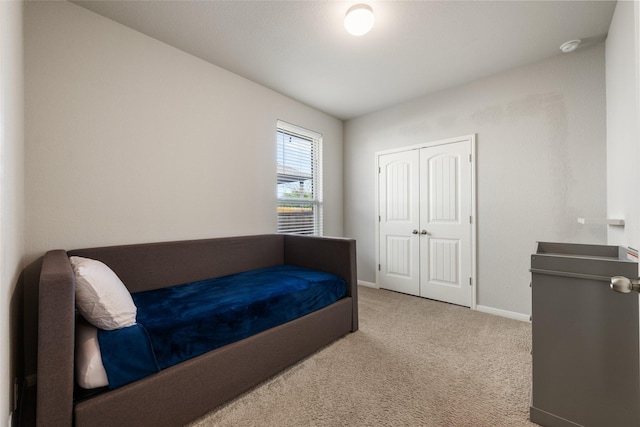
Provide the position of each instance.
(414, 362)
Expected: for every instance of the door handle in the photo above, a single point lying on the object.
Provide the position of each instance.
(414, 232)
(623, 285)
(424, 232)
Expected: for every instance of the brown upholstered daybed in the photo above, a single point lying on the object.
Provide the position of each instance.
(181, 393)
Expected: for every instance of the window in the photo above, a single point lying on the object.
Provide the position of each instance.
(299, 180)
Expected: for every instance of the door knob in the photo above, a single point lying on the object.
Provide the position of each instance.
(623, 285)
(423, 232)
(414, 232)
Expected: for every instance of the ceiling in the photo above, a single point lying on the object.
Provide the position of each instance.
(300, 48)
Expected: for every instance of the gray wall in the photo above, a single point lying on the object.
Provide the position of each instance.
(11, 196)
(131, 140)
(623, 123)
(540, 164)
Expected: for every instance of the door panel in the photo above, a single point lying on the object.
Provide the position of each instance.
(445, 206)
(444, 265)
(443, 194)
(399, 216)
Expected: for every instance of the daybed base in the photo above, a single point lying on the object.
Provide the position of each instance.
(195, 387)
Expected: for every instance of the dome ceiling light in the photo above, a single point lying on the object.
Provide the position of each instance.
(359, 19)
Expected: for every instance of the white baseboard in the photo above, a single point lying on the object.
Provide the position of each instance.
(482, 308)
(367, 284)
(503, 313)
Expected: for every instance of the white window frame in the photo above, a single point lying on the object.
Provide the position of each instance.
(315, 139)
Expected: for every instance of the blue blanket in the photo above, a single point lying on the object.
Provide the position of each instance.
(185, 321)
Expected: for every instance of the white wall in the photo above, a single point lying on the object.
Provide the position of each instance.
(623, 123)
(11, 193)
(130, 140)
(540, 164)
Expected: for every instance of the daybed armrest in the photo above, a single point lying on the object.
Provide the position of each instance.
(331, 254)
(56, 334)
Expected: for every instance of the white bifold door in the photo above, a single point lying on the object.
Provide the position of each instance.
(425, 219)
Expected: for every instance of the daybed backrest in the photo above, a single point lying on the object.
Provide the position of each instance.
(148, 266)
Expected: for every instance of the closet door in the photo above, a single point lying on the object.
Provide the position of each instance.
(445, 223)
(399, 208)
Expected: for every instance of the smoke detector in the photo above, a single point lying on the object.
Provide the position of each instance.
(570, 46)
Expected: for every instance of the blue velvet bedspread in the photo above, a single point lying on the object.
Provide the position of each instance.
(188, 320)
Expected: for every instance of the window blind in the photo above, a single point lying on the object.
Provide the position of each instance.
(299, 181)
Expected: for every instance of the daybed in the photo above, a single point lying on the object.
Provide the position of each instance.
(181, 393)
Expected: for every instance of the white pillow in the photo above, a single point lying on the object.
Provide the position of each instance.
(90, 371)
(101, 297)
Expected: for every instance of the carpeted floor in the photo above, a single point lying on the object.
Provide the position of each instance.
(414, 362)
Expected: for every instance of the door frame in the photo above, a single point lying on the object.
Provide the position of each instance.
(471, 138)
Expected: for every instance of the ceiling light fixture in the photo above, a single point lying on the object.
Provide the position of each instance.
(359, 19)
(570, 46)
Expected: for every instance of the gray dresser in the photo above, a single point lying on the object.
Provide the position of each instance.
(585, 338)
